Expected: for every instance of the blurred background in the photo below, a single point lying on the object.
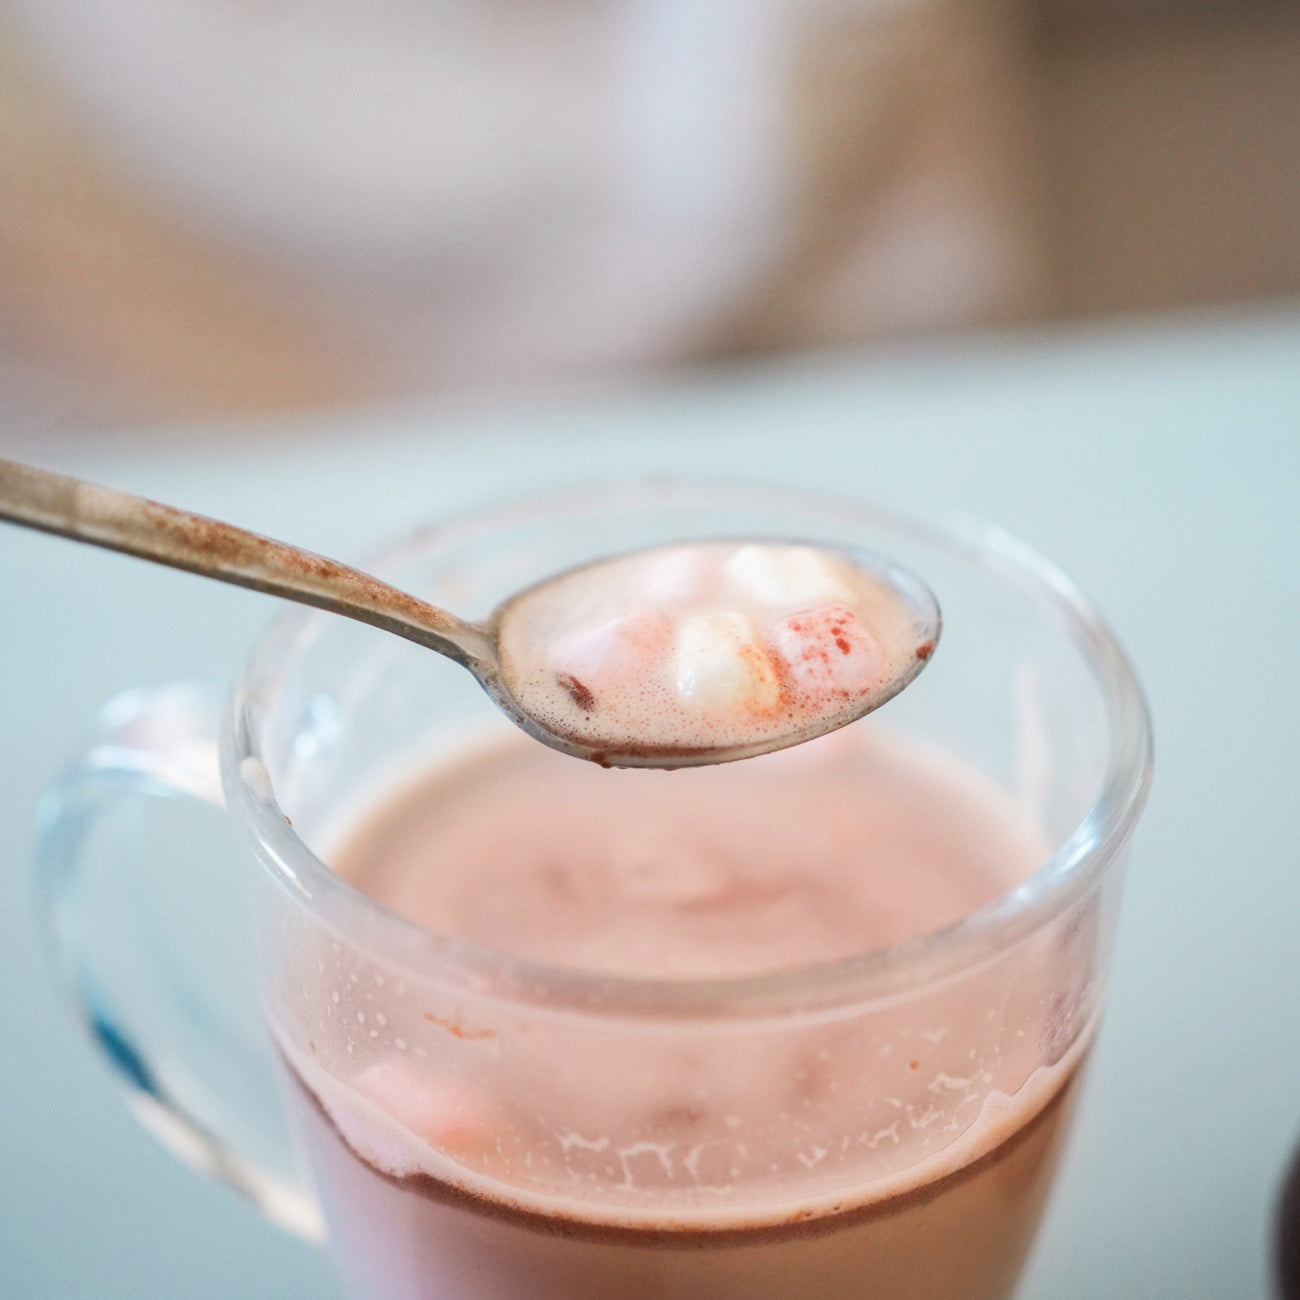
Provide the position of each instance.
(306, 264)
(216, 207)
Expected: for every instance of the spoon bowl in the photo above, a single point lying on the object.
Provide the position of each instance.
(724, 695)
(787, 664)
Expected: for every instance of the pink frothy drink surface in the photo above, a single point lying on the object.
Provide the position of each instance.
(463, 1149)
(714, 644)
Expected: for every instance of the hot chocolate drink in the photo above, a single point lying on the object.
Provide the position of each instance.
(463, 1152)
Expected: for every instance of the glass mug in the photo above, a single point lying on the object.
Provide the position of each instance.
(557, 1133)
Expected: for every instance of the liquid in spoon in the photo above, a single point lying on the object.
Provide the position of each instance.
(683, 653)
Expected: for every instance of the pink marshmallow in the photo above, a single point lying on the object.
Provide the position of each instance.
(827, 650)
(613, 654)
(682, 575)
(442, 1111)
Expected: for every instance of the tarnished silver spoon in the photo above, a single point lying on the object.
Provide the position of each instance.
(512, 652)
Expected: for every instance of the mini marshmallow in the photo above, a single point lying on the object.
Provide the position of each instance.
(722, 668)
(828, 650)
(782, 576)
(680, 575)
(442, 1111)
(613, 653)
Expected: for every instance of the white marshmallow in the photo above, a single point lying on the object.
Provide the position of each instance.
(789, 575)
(722, 668)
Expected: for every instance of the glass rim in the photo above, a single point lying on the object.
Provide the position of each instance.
(1076, 863)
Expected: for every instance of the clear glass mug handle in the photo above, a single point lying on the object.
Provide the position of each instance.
(195, 1071)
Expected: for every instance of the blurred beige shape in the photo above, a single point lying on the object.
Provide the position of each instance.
(209, 209)
(912, 137)
(109, 292)
(1174, 175)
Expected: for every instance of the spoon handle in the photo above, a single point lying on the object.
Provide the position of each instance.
(119, 521)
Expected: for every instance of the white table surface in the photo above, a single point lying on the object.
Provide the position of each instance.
(1159, 464)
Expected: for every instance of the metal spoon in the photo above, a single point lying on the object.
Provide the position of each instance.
(120, 521)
